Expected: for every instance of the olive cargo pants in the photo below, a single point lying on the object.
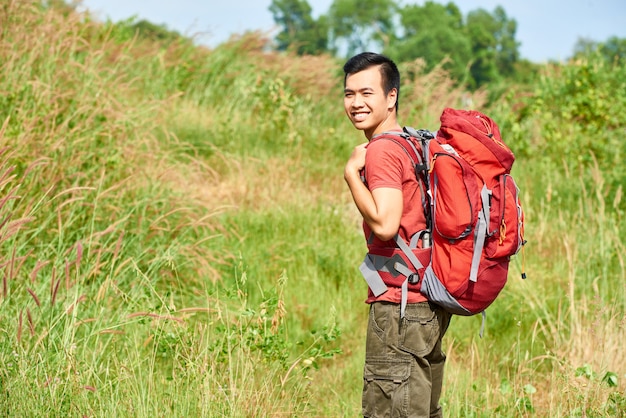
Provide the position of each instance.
(404, 360)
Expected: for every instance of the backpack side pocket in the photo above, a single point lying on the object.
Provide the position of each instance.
(506, 225)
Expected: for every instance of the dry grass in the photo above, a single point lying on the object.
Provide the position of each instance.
(423, 95)
(112, 234)
(309, 75)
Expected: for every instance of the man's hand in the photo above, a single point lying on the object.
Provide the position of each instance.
(381, 209)
(356, 162)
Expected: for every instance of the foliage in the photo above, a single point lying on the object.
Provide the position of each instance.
(612, 50)
(300, 31)
(107, 261)
(443, 42)
(476, 50)
(156, 33)
(361, 24)
(575, 113)
(494, 48)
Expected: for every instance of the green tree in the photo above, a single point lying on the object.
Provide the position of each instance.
(494, 48)
(477, 50)
(358, 25)
(614, 49)
(300, 32)
(507, 47)
(584, 47)
(435, 33)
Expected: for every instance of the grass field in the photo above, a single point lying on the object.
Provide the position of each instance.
(176, 238)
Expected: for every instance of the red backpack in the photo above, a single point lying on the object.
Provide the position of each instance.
(473, 211)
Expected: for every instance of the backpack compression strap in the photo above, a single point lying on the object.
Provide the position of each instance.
(481, 232)
(407, 272)
(372, 264)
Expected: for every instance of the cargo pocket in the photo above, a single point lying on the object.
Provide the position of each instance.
(385, 387)
(419, 330)
(376, 328)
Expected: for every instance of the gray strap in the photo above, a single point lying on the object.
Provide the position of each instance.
(482, 326)
(405, 296)
(376, 283)
(371, 276)
(387, 264)
(481, 233)
(416, 263)
(415, 239)
(404, 270)
(417, 153)
(424, 234)
(407, 251)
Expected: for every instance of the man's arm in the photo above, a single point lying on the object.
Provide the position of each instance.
(382, 208)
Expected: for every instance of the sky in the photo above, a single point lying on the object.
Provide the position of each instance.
(546, 29)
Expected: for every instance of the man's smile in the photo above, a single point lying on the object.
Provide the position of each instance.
(360, 116)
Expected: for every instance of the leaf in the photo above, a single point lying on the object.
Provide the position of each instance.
(585, 371)
(610, 379)
(505, 387)
(530, 389)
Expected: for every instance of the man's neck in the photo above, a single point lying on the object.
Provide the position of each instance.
(388, 126)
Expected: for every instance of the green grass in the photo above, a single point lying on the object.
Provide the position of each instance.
(176, 238)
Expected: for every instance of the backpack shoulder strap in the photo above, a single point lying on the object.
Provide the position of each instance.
(407, 140)
(404, 141)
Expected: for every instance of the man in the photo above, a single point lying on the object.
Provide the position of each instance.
(404, 361)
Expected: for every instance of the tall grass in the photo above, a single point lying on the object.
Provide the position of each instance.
(176, 239)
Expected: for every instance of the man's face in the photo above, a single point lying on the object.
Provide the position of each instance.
(365, 102)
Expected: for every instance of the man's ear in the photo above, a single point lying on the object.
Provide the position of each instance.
(392, 98)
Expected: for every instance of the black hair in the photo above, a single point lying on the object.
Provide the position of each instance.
(388, 70)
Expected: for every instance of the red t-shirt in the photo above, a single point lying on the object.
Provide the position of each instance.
(388, 165)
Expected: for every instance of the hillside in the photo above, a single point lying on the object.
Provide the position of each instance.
(177, 239)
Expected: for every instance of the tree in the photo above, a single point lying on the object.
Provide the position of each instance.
(584, 46)
(433, 32)
(358, 25)
(614, 49)
(154, 32)
(479, 49)
(494, 48)
(300, 32)
(507, 47)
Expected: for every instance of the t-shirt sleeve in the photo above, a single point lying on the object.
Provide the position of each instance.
(383, 165)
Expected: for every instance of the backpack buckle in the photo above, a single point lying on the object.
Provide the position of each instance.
(414, 278)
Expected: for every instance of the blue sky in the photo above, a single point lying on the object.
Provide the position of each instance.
(547, 29)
